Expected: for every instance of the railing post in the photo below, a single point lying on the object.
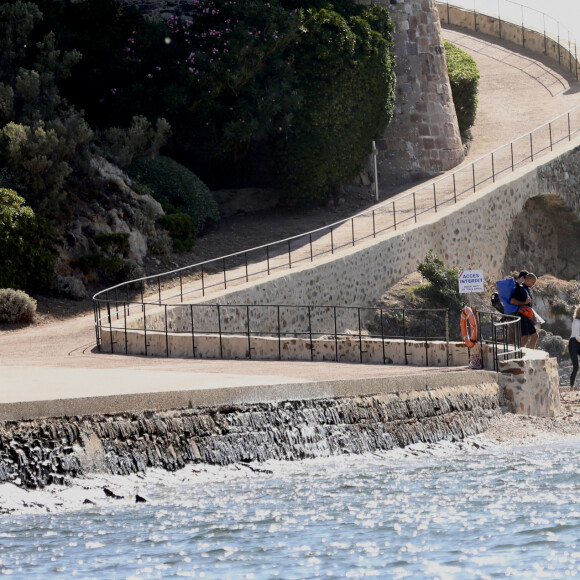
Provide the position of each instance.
(447, 334)
(192, 331)
(220, 330)
(414, 207)
(394, 217)
(145, 329)
(426, 342)
(383, 335)
(405, 338)
(352, 229)
(374, 225)
(249, 339)
(202, 282)
(180, 286)
(335, 336)
(550, 128)
(311, 254)
(569, 130)
(225, 276)
(268, 259)
(492, 169)
(289, 256)
(159, 287)
(473, 173)
(331, 241)
(359, 336)
(531, 147)
(110, 326)
(310, 334)
(126, 336)
(454, 189)
(435, 196)
(166, 334)
(246, 262)
(279, 336)
(512, 150)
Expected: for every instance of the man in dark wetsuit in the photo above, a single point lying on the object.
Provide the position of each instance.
(522, 296)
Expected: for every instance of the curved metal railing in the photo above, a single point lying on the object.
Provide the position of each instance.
(195, 281)
(300, 332)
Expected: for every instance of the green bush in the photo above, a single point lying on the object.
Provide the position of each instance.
(16, 306)
(181, 228)
(464, 80)
(177, 189)
(346, 75)
(26, 262)
(441, 289)
(113, 244)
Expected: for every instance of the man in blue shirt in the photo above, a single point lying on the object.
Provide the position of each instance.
(522, 296)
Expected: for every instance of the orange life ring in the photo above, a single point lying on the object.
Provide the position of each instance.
(469, 338)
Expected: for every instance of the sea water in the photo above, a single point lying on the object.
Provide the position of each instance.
(445, 512)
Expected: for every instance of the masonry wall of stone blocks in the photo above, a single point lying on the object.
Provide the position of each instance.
(565, 53)
(423, 138)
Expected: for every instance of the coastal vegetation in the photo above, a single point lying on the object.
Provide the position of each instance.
(464, 81)
(286, 94)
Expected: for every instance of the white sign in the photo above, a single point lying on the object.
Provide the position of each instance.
(470, 281)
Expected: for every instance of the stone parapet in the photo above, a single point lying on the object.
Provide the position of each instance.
(530, 385)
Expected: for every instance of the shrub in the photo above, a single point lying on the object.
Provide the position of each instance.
(177, 189)
(113, 244)
(26, 262)
(347, 79)
(464, 80)
(442, 289)
(16, 306)
(181, 229)
(70, 287)
(553, 344)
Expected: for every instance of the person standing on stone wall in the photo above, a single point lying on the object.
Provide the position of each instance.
(574, 346)
(522, 296)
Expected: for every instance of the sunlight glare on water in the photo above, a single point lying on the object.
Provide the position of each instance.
(462, 514)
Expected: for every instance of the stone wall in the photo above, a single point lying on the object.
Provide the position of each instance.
(533, 40)
(35, 453)
(423, 138)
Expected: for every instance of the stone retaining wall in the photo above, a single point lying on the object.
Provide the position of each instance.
(533, 40)
(39, 452)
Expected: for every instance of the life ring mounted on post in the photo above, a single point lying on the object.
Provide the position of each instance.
(468, 317)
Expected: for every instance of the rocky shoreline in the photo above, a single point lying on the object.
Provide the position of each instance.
(468, 432)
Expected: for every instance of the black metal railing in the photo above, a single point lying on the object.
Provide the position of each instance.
(197, 280)
(122, 320)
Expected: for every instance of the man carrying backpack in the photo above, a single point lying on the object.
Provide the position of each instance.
(522, 297)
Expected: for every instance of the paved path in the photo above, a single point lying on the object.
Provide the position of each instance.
(518, 91)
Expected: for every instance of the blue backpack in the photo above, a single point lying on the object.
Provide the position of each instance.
(505, 289)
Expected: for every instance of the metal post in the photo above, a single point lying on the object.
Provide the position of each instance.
(145, 328)
(220, 331)
(268, 259)
(310, 335)
(279, 337)
(532, 147)
(181, 286)
(225, 277)
(335, 337)
(359, 337)
(415, 206)
(550, 128)
(435, 196)
(126, 337)
(492, 169)
(512, 150)
(352, 229)
(426, 342)
(159, 288)
(166, 334)
(249, 339)
(454, 189)
(246, 262)
(383, 335)
(192, 330)
(202, 282)
(473, 172)
(405, 337)
(289, 256)
(374, 226)
(311, 255)
(376, 172)
(331, 241)
(394, 217)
